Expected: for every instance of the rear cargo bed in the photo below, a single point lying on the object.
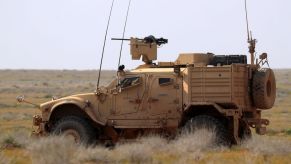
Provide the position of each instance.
(223, 85)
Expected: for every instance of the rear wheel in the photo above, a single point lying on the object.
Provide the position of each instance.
(211, 124)
(76, 129)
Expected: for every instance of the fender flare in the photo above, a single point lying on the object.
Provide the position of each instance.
(234, 113)
(82, 104)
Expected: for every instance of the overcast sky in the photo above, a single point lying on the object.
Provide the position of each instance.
(68, 34)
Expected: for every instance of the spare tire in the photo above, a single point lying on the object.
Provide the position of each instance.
(264, 88)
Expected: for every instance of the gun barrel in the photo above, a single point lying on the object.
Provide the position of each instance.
(149, 39)
(120, 39)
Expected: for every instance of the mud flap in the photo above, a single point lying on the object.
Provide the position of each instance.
(237, 140)
(109, 131)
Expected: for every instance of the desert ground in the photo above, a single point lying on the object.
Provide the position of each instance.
(39, 86)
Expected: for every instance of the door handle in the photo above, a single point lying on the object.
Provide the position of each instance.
(151, 99)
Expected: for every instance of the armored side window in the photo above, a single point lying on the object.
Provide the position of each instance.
(129, 81)
(165, 81)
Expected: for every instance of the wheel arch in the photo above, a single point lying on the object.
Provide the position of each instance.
(210, 109)
(72, 108)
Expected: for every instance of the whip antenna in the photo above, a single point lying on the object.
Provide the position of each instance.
(252, 42)
(247, 20)
(104, 44)
(124, 28)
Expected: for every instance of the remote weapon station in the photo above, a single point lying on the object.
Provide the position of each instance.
(222, 93)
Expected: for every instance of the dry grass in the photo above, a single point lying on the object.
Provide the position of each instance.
(17, 138)
(52, 150)
(152, 149)
(40, 86)
(268, 145)
(4, 159)
(9, 116)
(195, 148)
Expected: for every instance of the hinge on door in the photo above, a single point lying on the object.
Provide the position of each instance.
(176, 101)
(176, 86)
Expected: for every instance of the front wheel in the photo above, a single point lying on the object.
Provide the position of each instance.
(76, 129)
(211, 124)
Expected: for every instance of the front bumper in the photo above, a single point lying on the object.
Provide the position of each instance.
(40, 127)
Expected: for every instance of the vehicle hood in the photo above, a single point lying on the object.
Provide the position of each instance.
(68, 99)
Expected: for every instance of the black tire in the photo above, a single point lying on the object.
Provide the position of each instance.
(78, 128)
(264, 88)
(212, 124)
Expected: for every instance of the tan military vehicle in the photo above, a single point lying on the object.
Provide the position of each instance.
(218, 92)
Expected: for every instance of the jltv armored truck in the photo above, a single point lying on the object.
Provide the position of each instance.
(199, 90)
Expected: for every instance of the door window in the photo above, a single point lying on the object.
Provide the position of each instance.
(129, 81)
(165, 81)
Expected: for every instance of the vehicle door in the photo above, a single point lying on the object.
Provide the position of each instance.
(128, 100)
(165, 97)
